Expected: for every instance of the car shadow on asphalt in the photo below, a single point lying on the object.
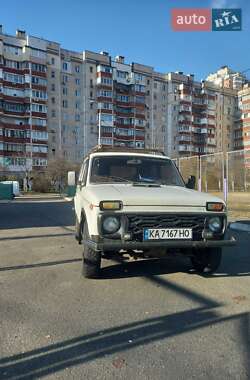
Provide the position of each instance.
(121, 268)
(39, 265)
(35, 214)
(235, 263)
(6, 238)
(50, 359)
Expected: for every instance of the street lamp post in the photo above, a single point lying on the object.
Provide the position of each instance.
(30, 117)
(99, 127)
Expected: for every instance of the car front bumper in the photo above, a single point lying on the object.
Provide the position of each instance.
(114, 245)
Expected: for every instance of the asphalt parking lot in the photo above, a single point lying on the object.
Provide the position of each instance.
(141, 320)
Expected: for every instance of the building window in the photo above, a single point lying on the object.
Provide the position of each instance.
(77, 92)
(53, 100)
(65, 78)
(105, 93)
(77, 117)
(65, 91)
(65, 66)
(38, 80)
(65, 104)
(52, 74)
(121, 74)
(53, 87)
(38, 67)
(91, 69)
(77, 81)
(155, 85)
(53, 113)
(15, 78)
(77, 69)
(52, 60)
(91, 82)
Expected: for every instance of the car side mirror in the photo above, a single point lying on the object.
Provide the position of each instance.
(191, 182)
(71, 189)
(71, 178)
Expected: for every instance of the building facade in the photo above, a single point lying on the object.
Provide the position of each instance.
(227, 78)
(56, 103)
(23, 103)
(242, 122)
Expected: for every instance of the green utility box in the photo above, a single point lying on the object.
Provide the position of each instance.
(6, 191)
(71, 191)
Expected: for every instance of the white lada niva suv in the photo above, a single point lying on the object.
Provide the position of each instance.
(135, 202)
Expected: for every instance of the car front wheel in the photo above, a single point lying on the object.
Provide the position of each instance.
(91, 261)
(206, 260)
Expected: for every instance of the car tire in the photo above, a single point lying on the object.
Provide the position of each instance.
(78, 232)
(91, 260)
(207, 260)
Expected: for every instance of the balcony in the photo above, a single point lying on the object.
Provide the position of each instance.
(186, 128)
(211, 122)
(187, 98)
(185, 148)
(184, 138)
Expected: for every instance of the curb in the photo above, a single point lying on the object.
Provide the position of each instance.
(237, 226)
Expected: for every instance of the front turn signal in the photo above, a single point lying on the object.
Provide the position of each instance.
(110, 205)
(215, 206)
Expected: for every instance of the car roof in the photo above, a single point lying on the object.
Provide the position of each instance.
(102, 154)
(102, 150)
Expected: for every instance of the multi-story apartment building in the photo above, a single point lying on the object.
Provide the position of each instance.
(191, 116)
(58, 103)
(242, 122)
(126, 104)
(23, 103)
(115, 101)
(227, 78)
(226, 108)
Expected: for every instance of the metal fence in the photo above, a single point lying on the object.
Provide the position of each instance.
(226, 175)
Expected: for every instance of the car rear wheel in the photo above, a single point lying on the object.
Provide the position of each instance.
(206, 260)
(91, 261)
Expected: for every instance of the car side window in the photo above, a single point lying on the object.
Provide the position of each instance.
(83, 174)
(80, 175)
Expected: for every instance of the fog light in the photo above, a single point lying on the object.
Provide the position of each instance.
(127, 236)
(207, 234)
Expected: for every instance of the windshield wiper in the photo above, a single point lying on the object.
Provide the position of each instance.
(147, 184)
(113, 177)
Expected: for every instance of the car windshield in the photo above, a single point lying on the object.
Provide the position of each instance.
(136, 170)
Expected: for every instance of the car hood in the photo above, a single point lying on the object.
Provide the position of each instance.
(131, 195)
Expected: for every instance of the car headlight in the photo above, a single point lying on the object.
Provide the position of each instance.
(111, 224)
(215, 224)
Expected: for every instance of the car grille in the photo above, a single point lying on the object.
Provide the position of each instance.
(136, 223)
